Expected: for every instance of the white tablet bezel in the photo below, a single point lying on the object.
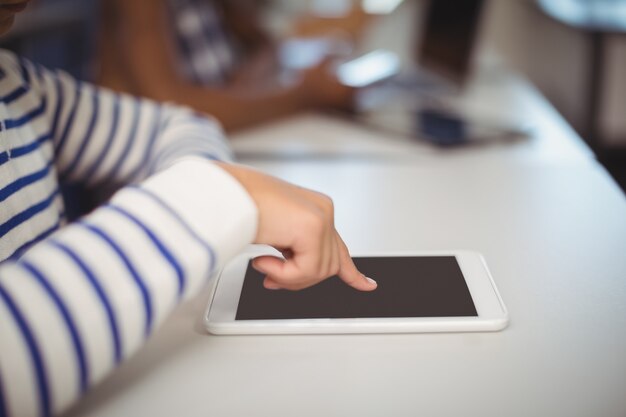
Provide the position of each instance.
(219, 317)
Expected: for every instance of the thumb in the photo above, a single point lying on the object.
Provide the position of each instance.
(269, 265)
(280, 273)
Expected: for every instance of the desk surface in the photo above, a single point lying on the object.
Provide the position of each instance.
(550, 222)
(554, 238)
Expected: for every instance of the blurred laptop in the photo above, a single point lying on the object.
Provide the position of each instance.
(447, 41)
(423, 102)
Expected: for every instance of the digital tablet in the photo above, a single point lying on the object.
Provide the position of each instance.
(417, 292)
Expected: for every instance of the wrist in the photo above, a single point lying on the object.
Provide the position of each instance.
(211, 200)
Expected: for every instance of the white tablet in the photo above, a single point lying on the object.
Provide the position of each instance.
(417, 292)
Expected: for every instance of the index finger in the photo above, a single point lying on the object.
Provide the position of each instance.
(349, 273)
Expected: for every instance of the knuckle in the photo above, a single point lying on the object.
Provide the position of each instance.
(349, 279)
(327, 206)
(319, 214)
(322, 201)
(326, 202)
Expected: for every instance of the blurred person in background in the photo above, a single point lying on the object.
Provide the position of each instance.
(214, 56)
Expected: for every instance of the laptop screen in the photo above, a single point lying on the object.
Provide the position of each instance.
(448, 37)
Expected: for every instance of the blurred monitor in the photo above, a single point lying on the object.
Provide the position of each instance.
(449, 32)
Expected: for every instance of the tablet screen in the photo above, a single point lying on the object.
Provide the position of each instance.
(422, 286)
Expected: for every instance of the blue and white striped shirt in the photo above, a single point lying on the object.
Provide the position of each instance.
(77, 299)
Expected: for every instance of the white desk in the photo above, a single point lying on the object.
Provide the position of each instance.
(551, 224)
(554, 238)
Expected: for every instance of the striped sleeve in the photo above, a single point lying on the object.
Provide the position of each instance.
(80, 302)
(103, 138)
(85, 297)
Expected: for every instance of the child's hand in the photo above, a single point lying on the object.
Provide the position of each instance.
(300, 223)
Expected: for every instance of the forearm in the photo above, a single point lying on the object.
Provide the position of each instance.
(150, 57)
(78, 303)
(235, 108)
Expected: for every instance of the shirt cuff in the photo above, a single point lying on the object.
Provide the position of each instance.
(210, 201)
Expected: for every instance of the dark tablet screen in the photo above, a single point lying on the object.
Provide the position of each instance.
(429, 286)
